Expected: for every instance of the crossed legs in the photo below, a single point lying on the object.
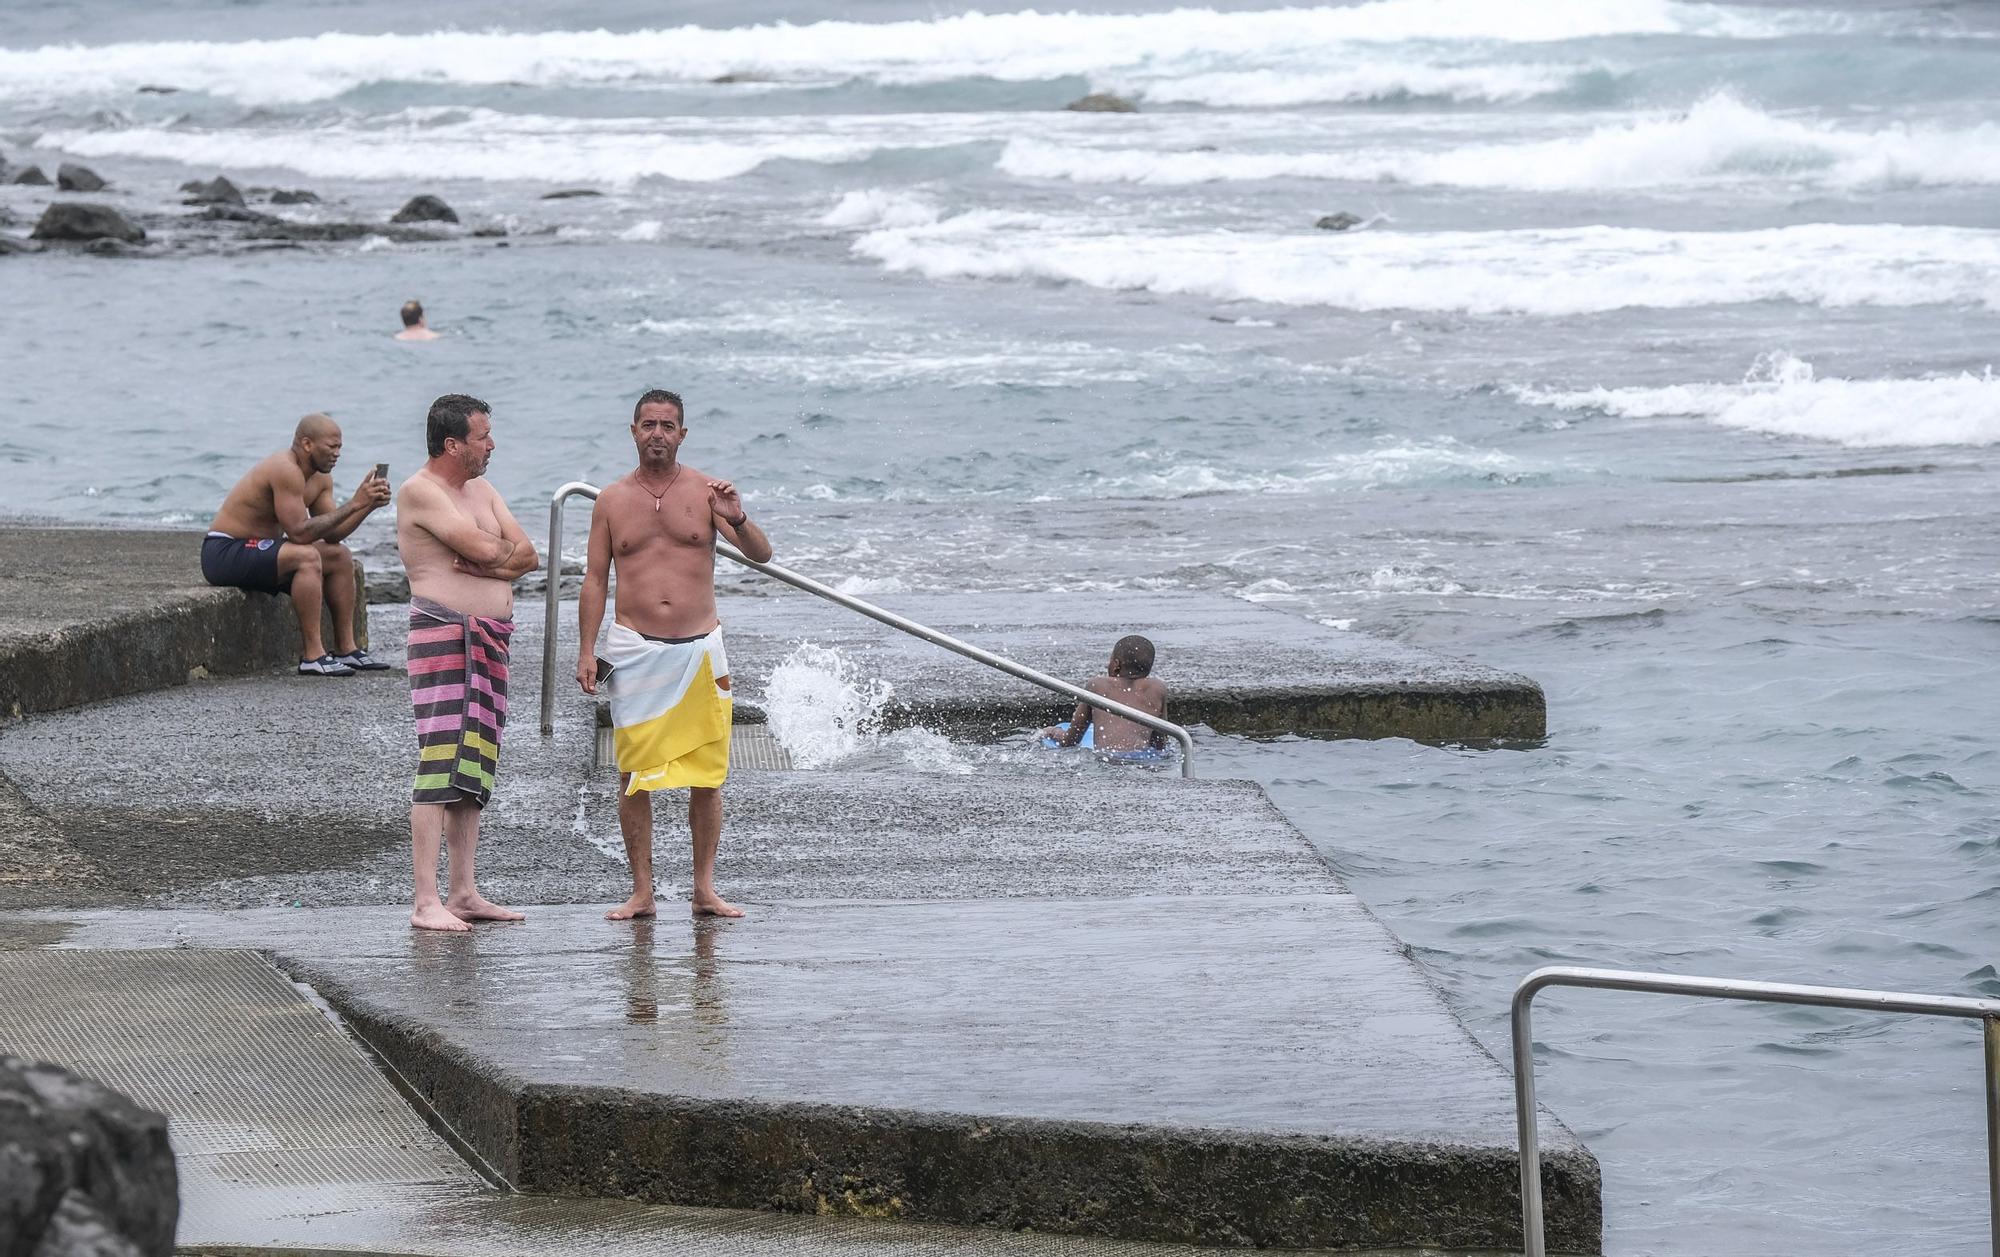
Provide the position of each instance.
(635, 824)
(456, 827)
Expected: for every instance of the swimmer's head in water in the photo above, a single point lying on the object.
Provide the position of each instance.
(319, 437)
(413, 313)
(1132, 657)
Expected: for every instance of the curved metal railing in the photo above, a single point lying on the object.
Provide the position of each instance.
(579, 488)
(1985, 1011)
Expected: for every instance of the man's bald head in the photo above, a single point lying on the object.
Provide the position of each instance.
(315, 427)
(317, 440)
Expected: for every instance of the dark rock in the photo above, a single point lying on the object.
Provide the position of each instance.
(425, 209)
(743, 76)
(570, 194)
(272, 228)
(237, 213)
(294, 196)
(1338, 222)
(87, 1170)
(75, 221)
(71, 177)
(389, 587)
(488, 233)
(217, 191)
(15, 244)
(33, 175)
(157, 89)
(109, 248)
(1102, 102)
(4, 167)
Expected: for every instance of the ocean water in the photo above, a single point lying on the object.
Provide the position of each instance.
(1661, 370)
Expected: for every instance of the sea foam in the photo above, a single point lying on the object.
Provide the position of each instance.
(1017, 47)
(1547, 271)
(1784, 396)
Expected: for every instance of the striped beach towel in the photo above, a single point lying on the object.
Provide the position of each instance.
(670, 720)
(458, 685)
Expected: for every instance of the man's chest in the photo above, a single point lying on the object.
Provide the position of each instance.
(658, 527)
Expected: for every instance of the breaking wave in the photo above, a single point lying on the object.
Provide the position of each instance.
(1545, 271)
(1719, 140)
(1784, 396)
(1017, 47)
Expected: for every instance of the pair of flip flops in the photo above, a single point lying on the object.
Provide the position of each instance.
(341, 665)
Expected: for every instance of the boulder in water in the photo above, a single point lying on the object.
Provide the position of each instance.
(14, 244)
(1101, 102)
(425, 209)
(217, 191)
(1338, 222)
(294, 196)
(32, 175)
(71, 177)
(156, 89)
(570, 194)
(75, 222)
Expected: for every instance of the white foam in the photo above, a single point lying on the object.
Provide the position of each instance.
(880, 207)
(647, 229)
(1016, 47)
(485, 146)
(1720, 140)
(1403, 463)
(1550, 271)
(1785, 396)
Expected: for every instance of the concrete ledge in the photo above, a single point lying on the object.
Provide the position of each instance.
(88, 614)
(1234, 666)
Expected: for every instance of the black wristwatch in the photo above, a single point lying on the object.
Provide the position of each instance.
(739, 521)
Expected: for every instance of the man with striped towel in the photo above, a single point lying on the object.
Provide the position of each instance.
(668, 677)
(463, 552)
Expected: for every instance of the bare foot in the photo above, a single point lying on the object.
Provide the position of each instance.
(713, 905)
(480, 908)
(432, 916)
(636, 906)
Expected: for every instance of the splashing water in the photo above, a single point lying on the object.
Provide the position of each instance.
(821, 708)
(824, 711)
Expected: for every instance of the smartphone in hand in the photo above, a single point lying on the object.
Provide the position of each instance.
(381, 471)
(604, 669)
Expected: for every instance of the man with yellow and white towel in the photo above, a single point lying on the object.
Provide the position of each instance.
(668, 678)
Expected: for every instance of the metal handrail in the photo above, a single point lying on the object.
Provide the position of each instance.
(1985, 1011)
(579, 488)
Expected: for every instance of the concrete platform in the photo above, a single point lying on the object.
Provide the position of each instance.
(289, 1138)
(92, 613)
(1231, 665)
(1119, 1067)
(1094, 1003)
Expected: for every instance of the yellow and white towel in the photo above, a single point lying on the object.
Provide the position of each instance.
(670, 720)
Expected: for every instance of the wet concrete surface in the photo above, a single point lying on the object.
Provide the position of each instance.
(290, 1139)
(276, 789)
(1127, 1005)
(1232, 665)
(91, 613)
(1225, 1069)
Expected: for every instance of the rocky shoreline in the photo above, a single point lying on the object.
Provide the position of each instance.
(220, 217)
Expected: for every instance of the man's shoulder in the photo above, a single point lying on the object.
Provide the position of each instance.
(276, 467)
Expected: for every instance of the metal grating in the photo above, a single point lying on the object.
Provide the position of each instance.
(258, 1086)
(751, 749)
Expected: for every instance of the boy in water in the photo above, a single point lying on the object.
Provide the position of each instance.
(1128, 680)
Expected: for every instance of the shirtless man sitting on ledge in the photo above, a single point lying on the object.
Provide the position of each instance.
(279, 532)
